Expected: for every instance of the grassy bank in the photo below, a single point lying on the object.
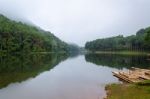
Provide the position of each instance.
(128, 91)
(123, 52)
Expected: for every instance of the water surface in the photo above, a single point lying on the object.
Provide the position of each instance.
(55, 76)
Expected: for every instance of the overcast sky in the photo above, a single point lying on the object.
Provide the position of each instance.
(79, 21)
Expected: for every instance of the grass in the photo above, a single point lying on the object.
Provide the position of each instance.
(128, 91)
(144, 83)
(122, 52)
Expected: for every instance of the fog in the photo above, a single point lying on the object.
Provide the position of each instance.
(78, 21)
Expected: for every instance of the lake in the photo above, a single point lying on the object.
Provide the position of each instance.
(59, 76)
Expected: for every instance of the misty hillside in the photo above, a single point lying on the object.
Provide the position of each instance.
(138, 42)
(17, 36)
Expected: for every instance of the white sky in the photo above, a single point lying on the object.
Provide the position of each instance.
(78, 21)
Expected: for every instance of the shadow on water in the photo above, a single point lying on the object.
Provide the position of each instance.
(17, 68)
(118, 61)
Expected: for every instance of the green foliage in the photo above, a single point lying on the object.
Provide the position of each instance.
(127, 91)
(133, 42)
(147, 38)
(17, 36)
(144, 83)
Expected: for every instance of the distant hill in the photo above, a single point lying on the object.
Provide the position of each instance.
(18, 36)
(138, 42)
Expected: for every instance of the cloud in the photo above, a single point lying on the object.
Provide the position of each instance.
(79, 21)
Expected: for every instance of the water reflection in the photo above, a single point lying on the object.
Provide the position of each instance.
(72, 79)
(17, 68)
(118, 61)
(75, 78)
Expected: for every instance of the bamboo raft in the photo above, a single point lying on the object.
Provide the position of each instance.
(134, 75)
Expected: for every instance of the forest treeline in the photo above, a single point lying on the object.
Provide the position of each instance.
(138, 42)
(18, 36)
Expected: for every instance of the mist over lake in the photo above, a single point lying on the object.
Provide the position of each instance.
(74, 49)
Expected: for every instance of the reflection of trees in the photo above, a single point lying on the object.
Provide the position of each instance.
(18, 68)
(118, 61)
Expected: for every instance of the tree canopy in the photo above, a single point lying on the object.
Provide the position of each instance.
(18, 36)
(138, 42)
(147, 38)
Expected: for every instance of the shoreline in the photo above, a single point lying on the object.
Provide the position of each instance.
(137, 82)
(128, 91)
(122, 52)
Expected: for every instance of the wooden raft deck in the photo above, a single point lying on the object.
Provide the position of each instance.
(134, 75)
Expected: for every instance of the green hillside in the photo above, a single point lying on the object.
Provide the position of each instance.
(17, 36)
(138, 42)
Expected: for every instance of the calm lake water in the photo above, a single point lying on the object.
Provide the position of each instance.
(53, 76)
